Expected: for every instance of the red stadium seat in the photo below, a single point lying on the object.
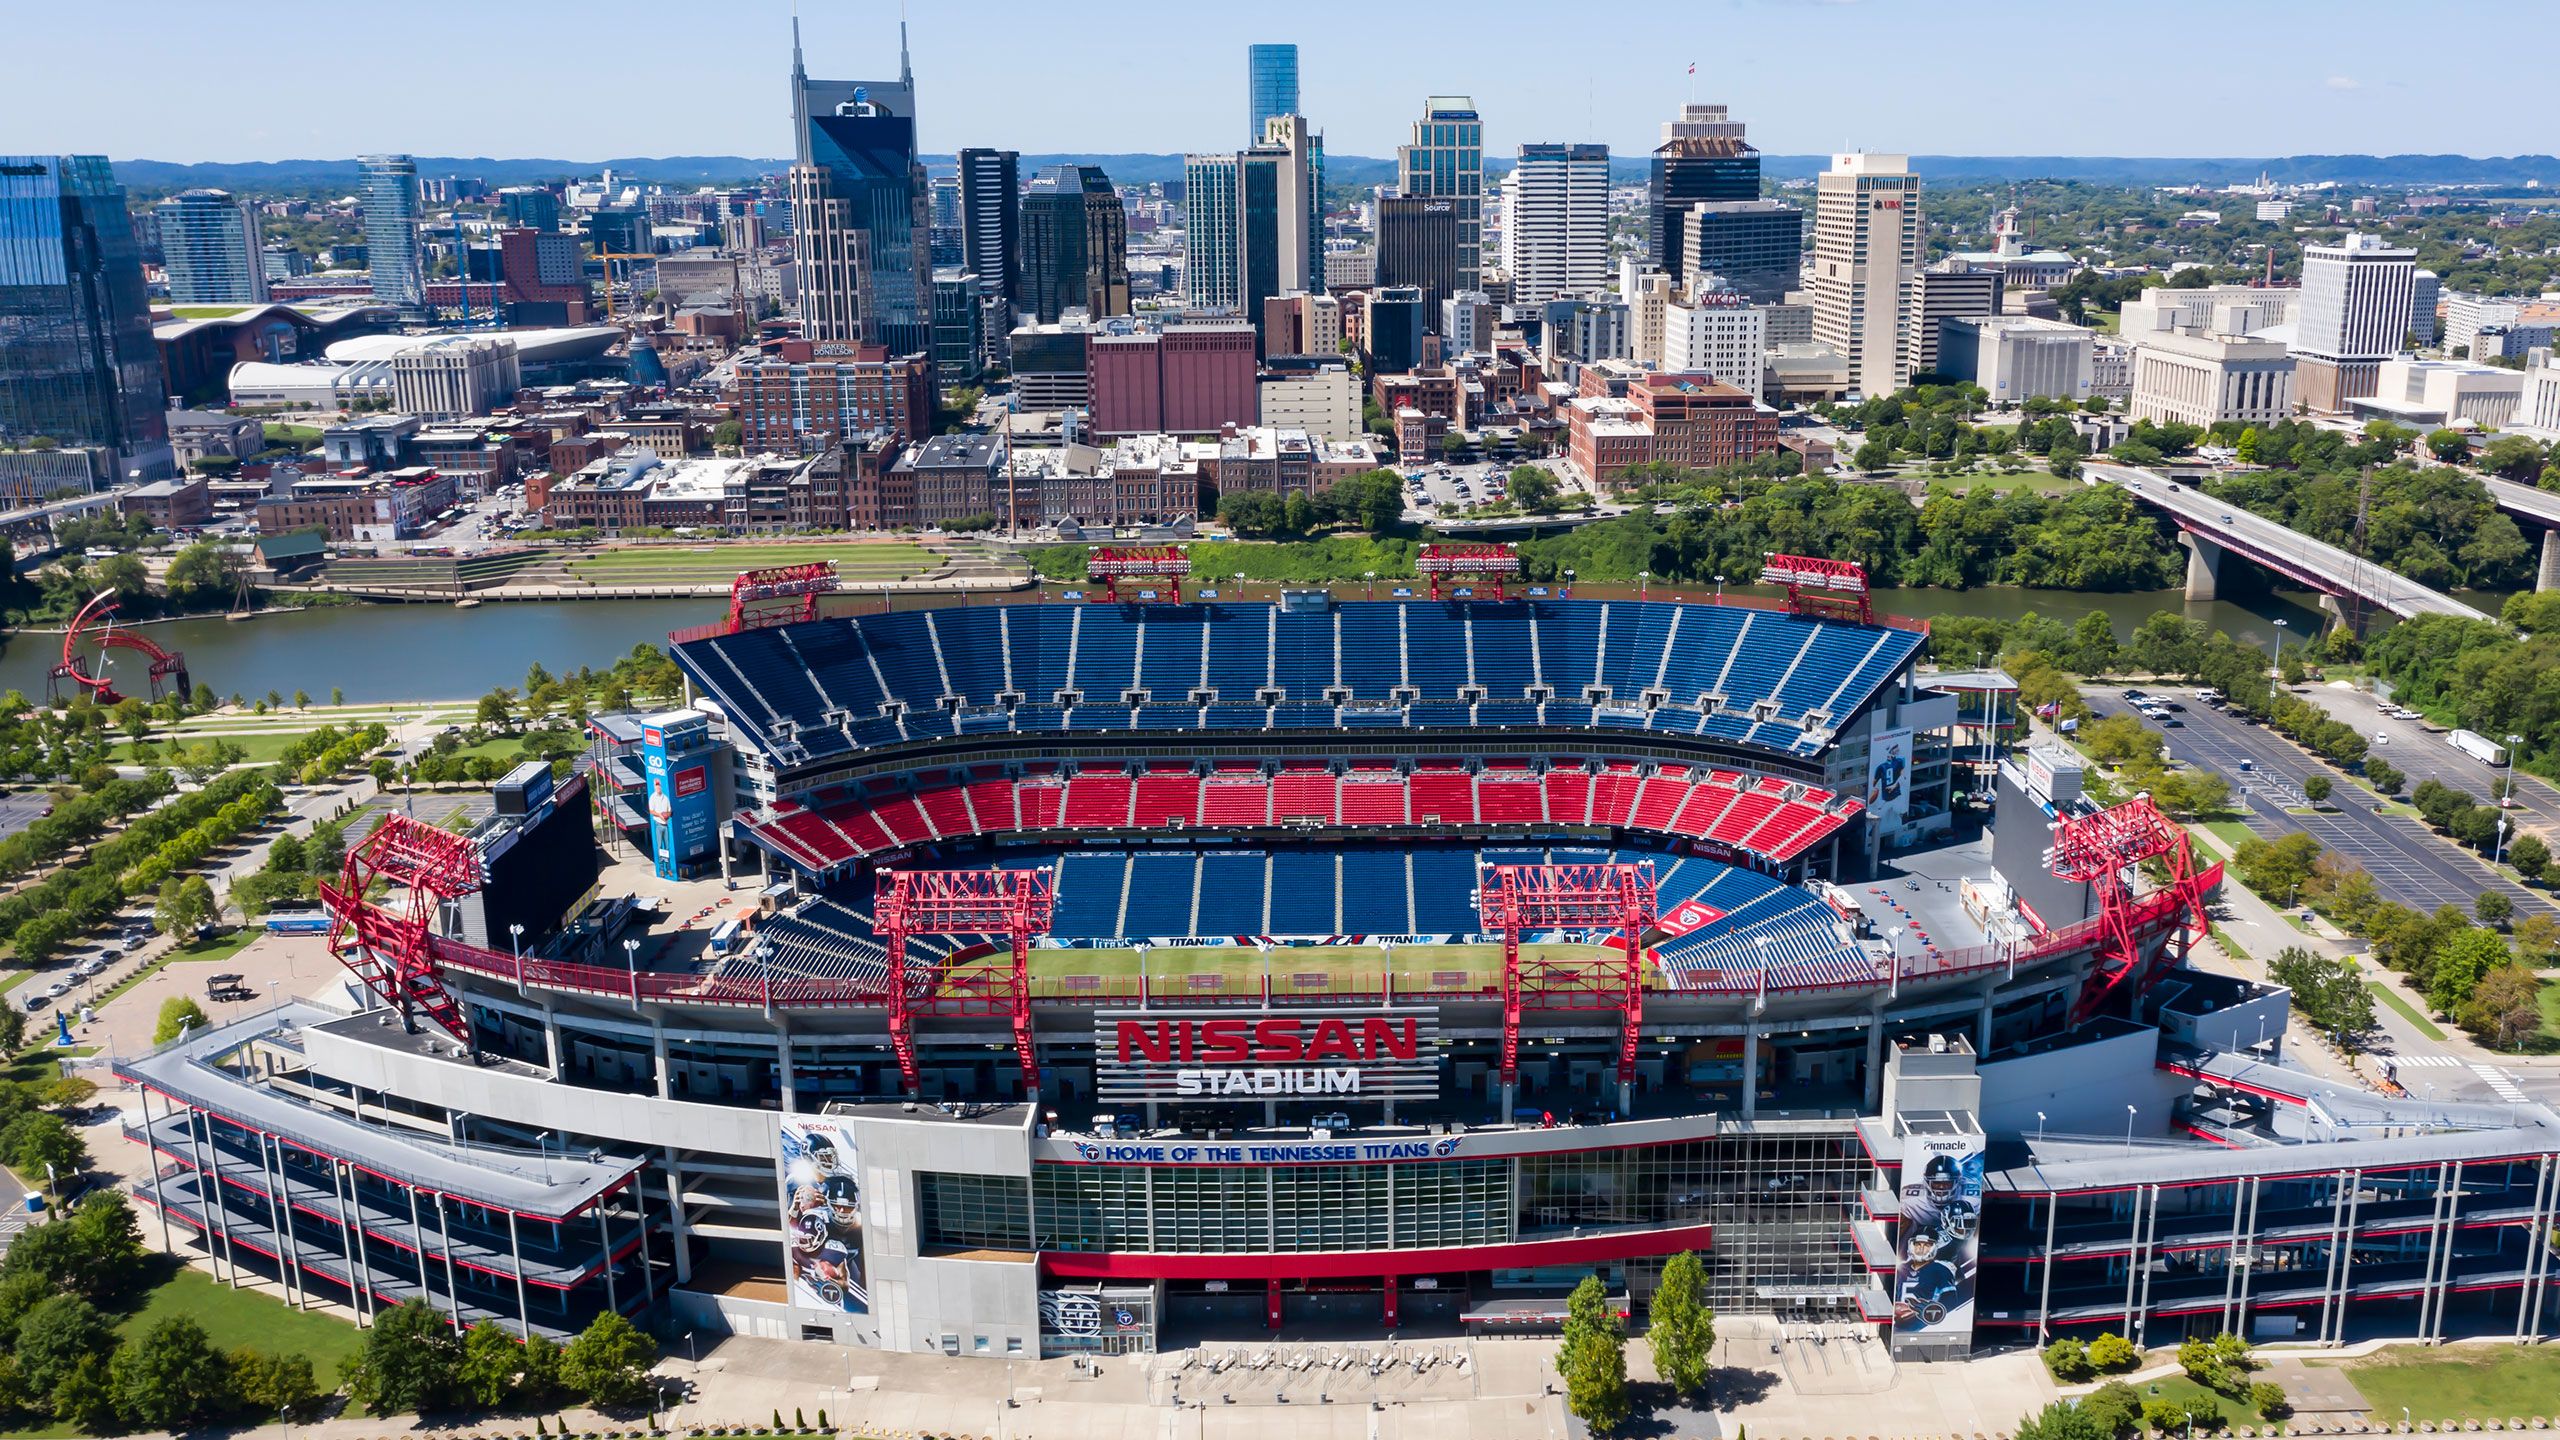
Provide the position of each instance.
(1304, 795)
(1164, 796)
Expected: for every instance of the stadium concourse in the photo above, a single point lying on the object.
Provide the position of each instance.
(1112, 974)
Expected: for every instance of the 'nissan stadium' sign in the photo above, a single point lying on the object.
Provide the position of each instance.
(1311, 1054)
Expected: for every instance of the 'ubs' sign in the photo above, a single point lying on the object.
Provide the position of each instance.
(1267, 1054)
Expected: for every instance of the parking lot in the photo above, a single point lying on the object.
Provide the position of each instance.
(20, 810)
(2420, 751)
(2409, 863)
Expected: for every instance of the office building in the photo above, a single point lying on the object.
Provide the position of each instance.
(1075, 245)
(455, 375)
(2205, 375)
(1647, 293)
(2356, 303)
(1350, 265)
(1301, 324)
(1581, 329)
(1271, 86)
(1051, 370)
(1555, 230)
(1691, 420)
(283, 262)
(959, 327)
(621, 230)
(2426, 293)
(1298, 204)
(388, 191)
(873, 259)
(1186, 379)
(1315, 393)
(1418, 246)
(2538, 408)
(1209, 231)
(545, 279)
(1952, 289)
(210, 247)
(2015, 358)
(529, 207)
(1716, 333)
(1467, 321)
(1702, 157)
(2432, 394)
(801, 396)
(1754, 246)
(990, 209)
(1445, 161)
(1392, 328)
(77, 361)
(1866, 263)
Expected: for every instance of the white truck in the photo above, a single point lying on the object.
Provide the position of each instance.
(2479, 747)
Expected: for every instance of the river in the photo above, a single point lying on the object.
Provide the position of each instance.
(423, 652)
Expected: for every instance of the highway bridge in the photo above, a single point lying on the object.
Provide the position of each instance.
(56, 509)
(2535, 507)
(2213, 530)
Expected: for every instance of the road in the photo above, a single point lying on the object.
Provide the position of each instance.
(2314, 562)
(2408, 862)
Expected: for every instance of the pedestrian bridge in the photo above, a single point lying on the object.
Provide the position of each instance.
(2212, 530)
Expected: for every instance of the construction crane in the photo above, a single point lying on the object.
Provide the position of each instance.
(608, 257)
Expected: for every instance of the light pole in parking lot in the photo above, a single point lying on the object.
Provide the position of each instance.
(1719, 589)
(1644, 584)
(2279, 651)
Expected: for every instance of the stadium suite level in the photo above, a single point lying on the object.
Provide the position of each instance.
(1951, 1115)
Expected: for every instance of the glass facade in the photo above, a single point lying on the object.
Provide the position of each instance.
(1271, 82)
(872, 159)
(1446, 161)
(77, 361)
(1209, 248)
(209, 242)
(389, 191)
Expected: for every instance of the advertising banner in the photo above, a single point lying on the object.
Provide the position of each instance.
(1388, 1054)
(1889, 779)
(822, 1216)
(1941, 1225)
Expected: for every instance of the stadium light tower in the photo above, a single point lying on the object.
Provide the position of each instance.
(2103, 850)
(385, 943)
(1016, 904)
(1514, 898)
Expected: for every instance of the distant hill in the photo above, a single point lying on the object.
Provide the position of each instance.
(1359, 170)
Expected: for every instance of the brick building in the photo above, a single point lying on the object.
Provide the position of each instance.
(1691, 420)
(804, 396)
(1187, 379)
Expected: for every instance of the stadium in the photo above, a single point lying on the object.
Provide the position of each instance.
(1150, 966)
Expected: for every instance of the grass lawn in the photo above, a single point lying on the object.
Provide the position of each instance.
(261, 746)
(220, 947)
(2181, 1389)
(2550, 1007)
(14, 979)
(2425, 1026)
(1306, 969)
(2037, 479)
(2230, 945)
(281, 433)
(2231, 833)
(887, 560)
(233, 1318)
(205, 312)
(2479, 1384)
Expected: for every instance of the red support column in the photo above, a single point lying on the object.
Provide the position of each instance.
(1391, 1301)
(1271, 1311)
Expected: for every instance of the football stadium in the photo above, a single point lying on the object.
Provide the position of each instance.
(1104, 974)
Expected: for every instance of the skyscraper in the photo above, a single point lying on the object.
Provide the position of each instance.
(389, 191)
(1702, 157)
(2357, 297)
(77, 361)
(1446, 162)
(862, 135)
(990, 200)
(1866, 264)
(1209, 216)
(945, 195)
(210, 244)
(1418, 246)
(1755, 246)
(1271, 86)
(1555, 230)
(530, 207)
(1075, 245)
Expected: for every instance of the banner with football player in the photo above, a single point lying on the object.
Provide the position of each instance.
(822, 1216)
(1941, 1225)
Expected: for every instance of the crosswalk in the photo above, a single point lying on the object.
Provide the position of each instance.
(2500, 1083)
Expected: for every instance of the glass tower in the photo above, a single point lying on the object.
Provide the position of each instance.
(1209, 248)
(1446, 162)
(1271, 84)
(77, 361)
(390, 194)
(862, 133)
(209, 242)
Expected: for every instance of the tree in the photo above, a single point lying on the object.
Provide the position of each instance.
(85, 1396)
(2166, 1417)
(2316, 787)
(2493, 907)
(490, 1359)
(2529, 855)
(2268, 1399)
(2451, 447)
(2061, 1420)
(2111, 1352)
(55, 1336)
(171, 1377)
(728, 435)
(2460, 965)
(538, 1380)
(280, 1384)
(1531, 486)
(2383, 776)
(1593, 1359)
(1873, 456)
(2277, 868)
(107, 1241)
(2067, 1360)
(38, 1143)
(179, 1014)
(411, 1361)
(496, 709)
(185, 903)
(2505, 1006)
(608, 1364)
(1372, 500)
(1682, 1329)
(2115, 1406)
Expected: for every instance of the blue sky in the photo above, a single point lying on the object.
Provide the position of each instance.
(277, 79)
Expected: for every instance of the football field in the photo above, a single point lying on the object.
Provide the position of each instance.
(1308, 970)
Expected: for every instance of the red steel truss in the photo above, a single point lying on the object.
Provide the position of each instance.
(385, 943)
(1478, 564)
(1014, 903)
(2102, 850)
(95, 625)
(1109, 566)
(785, 595)
(1514, 898)
(1823, 589)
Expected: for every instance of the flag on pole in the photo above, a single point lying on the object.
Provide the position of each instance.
(1693, 67)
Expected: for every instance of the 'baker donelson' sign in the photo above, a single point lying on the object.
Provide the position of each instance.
(1390, 1054)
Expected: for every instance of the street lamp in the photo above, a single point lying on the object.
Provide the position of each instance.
(631, 958)
(1719, 589)
(2279, 652)
(1644, 582)
(1568, 584)
(515, 943)
(1368, 584)
(2129, 1113)
(2039, 1127)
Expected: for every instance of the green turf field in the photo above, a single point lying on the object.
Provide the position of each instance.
(1295, 969)
(673, 564)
